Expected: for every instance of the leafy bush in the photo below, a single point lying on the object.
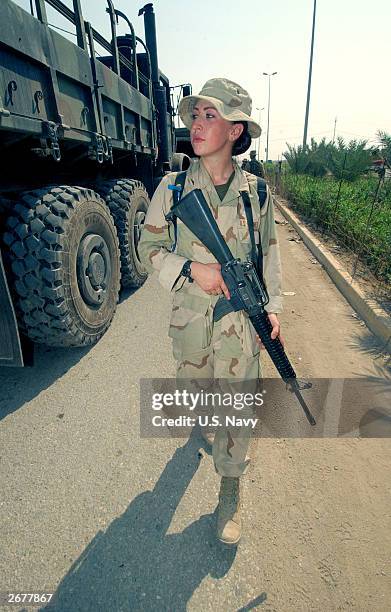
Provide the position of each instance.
(318, 155)
(343, 161)
(349, 161)
(345, 210)
(297, 159)
(385, 145)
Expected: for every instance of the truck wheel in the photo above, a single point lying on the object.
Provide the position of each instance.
(128, 202)
(180, 162)
(63, 250)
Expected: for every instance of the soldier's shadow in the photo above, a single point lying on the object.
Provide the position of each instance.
(135, 564)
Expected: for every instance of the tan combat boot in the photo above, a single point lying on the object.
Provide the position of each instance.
(229, 524)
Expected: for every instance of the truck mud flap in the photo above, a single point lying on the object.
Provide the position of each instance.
(10, 344)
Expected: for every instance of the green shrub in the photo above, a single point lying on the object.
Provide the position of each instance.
(343, 161)
(385, 145)
(349, 161)
(344, 209)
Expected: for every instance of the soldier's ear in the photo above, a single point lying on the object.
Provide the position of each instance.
(236, 131)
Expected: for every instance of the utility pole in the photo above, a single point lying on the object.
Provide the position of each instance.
(307, 110)
(335, 125)
(268, 115)
(259, 139)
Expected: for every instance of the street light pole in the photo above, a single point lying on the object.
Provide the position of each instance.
(259, 121)
(335, 126)
(268, 115)
(307, 109)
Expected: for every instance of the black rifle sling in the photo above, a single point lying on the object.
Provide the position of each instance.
(180, 180)
(256, 254)
(250, 223)
(262, 191)
(262, 197)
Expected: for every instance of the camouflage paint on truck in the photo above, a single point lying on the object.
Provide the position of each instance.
(83, 142)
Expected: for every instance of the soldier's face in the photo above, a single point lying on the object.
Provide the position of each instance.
(210, 134)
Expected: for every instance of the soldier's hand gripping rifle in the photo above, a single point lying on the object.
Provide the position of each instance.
(247, 291)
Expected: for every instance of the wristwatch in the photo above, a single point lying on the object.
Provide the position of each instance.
(186, 270)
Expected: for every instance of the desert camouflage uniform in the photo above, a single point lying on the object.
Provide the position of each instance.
(255, 167)
(228, 349)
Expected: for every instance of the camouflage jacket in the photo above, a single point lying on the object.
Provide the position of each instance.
(191, 303)
(255, 167)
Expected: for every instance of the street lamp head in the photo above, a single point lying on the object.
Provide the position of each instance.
(265, 73)
(273, 73)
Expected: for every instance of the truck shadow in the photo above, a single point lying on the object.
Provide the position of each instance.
(126, 293)
(20, 385)
(135, 564)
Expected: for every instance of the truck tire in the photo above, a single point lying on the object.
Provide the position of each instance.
(180, 162)
(128, 202)
(62, 247)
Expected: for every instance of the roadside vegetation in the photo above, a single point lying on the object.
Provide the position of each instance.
(344, 189)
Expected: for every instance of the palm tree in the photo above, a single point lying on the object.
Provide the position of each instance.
(349, 161)
(385, 145)
(317, 157)
(297, 158)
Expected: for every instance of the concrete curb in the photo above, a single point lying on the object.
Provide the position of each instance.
(375, 317)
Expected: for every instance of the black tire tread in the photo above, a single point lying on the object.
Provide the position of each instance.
(117, 194)
(35, 243)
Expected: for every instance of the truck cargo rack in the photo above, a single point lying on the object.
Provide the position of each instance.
(76, 18)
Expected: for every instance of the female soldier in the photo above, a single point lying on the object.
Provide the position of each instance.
(220, 124)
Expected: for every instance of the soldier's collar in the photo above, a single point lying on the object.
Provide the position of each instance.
(241, 176)
(199, 176)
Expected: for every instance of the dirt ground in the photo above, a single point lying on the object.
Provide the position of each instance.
(326, 502)
(107, 519)
(372, 287)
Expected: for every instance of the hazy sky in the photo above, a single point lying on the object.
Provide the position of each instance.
(200, 39)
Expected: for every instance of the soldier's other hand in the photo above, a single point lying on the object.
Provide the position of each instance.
(209, 278)
(275, 331)
(223, 289)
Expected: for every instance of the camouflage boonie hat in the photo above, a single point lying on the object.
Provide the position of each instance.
(230, 100)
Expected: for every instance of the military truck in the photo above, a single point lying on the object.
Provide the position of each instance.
(84, 139)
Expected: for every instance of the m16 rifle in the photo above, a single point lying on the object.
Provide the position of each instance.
(247, 290)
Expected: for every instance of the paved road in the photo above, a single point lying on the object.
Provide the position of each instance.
(109, 521)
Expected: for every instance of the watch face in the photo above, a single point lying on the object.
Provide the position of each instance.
(186, 269)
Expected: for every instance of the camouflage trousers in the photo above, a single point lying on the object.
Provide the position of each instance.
(214, 370)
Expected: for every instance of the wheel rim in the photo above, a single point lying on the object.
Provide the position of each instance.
(139, 219)
(93, 269)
